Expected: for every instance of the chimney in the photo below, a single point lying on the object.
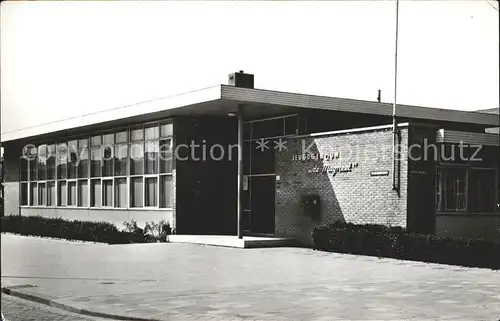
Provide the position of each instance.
(241, 79)
(379, 98)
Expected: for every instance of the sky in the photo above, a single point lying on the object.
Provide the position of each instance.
(63, 59)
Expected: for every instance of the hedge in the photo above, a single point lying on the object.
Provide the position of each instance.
(396, 242)
(103, 232)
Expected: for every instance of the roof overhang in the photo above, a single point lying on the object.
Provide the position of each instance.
(453, 136)
(222, 100)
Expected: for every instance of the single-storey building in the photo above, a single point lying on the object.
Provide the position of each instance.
(304, 160)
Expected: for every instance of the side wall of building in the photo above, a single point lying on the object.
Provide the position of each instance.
(12, 153)
(205, 172)
(361, 192)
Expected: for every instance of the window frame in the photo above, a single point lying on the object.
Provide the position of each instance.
(88, 139)
(467, 169)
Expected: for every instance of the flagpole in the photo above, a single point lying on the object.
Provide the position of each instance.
(394, 124)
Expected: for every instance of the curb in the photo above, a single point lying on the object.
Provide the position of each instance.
(45, 301)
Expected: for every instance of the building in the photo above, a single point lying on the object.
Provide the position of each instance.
(306, 160)
(495, 130)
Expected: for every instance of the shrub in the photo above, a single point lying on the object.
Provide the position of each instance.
(70, 230)
(157, 232)
(396, 242)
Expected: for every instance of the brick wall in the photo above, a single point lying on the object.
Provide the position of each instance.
(352, 196)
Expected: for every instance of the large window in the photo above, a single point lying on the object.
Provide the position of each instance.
(466, 189)
(125, 168)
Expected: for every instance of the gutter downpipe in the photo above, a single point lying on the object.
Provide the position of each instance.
(239, 209)
(394, 122)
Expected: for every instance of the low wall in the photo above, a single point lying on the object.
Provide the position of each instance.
(486, 226)
(115, 216)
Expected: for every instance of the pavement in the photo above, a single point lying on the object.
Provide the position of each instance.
(15, 309)
(166, 281)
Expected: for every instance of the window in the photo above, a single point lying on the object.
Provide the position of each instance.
(107, 160)
(136, 159)
(165, 191)
(24, 169)
(83, 155)
(42, 162)
(95, 192)
(95, 161)
(460, 189)
(51, 161)
(33, 164)
(107, 192)
(273, 127)
(121, 192)
(96, 140)
(73, 159)
(292, 125)
(121, 155)
(136, 191)
(151, 191)
(166, 130)
(129, 167)
(83, 193)
(137, 134)
(450, 193)
(107, 155)
(62, 160)
(24, 193)
(62, 193)
(33, 194)
(121, 137)
(151, 157)
(166, 156)
(51, 193)
(72, 193)
(481, 188)
(42, 192)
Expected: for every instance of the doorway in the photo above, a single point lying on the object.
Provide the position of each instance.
(259, 198)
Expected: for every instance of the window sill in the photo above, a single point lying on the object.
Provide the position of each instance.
(99, 208)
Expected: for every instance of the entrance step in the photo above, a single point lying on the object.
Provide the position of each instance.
(233, 241)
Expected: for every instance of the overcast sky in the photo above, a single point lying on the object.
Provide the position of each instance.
(63, 59)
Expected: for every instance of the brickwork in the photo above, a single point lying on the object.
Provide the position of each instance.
(352, 195)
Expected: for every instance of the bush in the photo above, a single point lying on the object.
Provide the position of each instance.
(396, 242)
(157, 232)
(103, 232)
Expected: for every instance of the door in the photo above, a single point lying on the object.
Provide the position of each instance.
(261, 194)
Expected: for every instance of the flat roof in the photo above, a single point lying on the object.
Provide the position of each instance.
(223, 99)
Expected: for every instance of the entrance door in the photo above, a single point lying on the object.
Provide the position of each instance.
(261, 192)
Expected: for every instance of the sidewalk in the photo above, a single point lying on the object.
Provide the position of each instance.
(195, 282)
